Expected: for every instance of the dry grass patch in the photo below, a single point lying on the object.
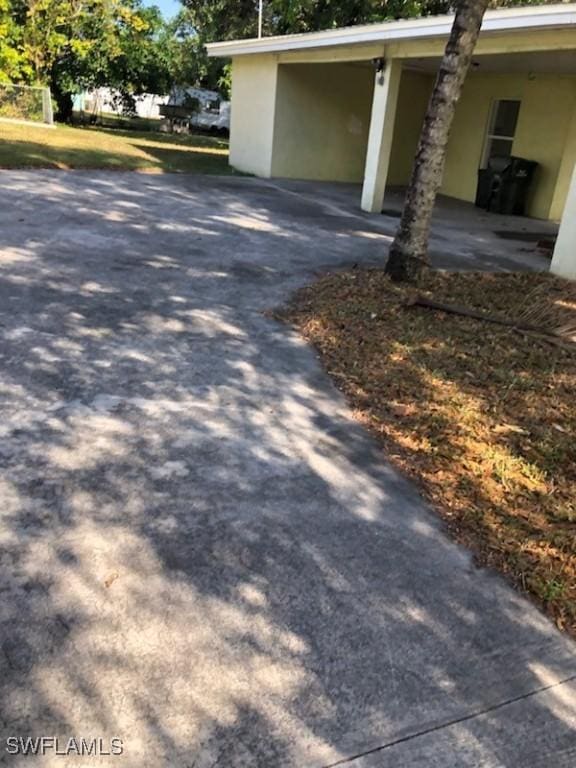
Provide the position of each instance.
(483, 416)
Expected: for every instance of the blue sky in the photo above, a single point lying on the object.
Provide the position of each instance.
(169, 8)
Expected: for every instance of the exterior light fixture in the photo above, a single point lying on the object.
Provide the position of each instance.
(380, 66)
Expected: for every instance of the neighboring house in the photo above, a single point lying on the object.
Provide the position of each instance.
(214, 114)
(107, 101)
(348, 105)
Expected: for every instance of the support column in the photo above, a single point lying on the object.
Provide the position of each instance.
(564, 260)
(384, 103)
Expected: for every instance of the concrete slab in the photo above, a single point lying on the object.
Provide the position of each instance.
(516, 733)
(201, 553)
(463, 238)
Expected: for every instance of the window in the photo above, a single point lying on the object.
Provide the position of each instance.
(501, 130)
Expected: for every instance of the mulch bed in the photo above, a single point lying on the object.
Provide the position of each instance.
(482, 416)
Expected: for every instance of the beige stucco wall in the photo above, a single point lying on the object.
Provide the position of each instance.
(322, 121)
(546, 133)
(565, 174)
(254, 81)
(415, 89)
(541, 135)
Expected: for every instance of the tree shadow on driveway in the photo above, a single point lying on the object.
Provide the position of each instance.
(202, 554)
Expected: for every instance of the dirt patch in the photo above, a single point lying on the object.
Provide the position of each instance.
(482, 416)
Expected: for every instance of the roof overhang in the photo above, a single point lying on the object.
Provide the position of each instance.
(507, 20)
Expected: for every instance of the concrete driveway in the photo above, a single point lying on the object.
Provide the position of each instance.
(201, 553)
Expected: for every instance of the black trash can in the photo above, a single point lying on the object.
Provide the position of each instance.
(503, 186)
(489, 181)
(515, 186)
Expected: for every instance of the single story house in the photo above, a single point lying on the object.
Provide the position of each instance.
(348, 105)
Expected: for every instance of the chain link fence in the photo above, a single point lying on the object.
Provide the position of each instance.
(26, 103)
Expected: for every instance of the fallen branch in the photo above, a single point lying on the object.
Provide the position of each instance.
(455, 309)
(555, 340)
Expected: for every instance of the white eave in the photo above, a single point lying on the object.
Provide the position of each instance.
(505, 20)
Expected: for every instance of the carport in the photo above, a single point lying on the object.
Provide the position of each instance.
(348, 105)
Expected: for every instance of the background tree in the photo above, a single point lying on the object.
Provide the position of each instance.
(291, 16)
(142, 61)
(185, 49)
(72, 45)
(14, 65)
(205, 21)
(408, 252)
(107, 44)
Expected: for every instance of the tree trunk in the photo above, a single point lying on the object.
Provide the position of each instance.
(64, 106)
(64, 101)
(408, 252)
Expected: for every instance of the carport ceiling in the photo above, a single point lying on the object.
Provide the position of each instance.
(545, 62)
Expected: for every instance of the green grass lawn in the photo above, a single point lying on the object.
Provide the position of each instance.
(24, 146)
